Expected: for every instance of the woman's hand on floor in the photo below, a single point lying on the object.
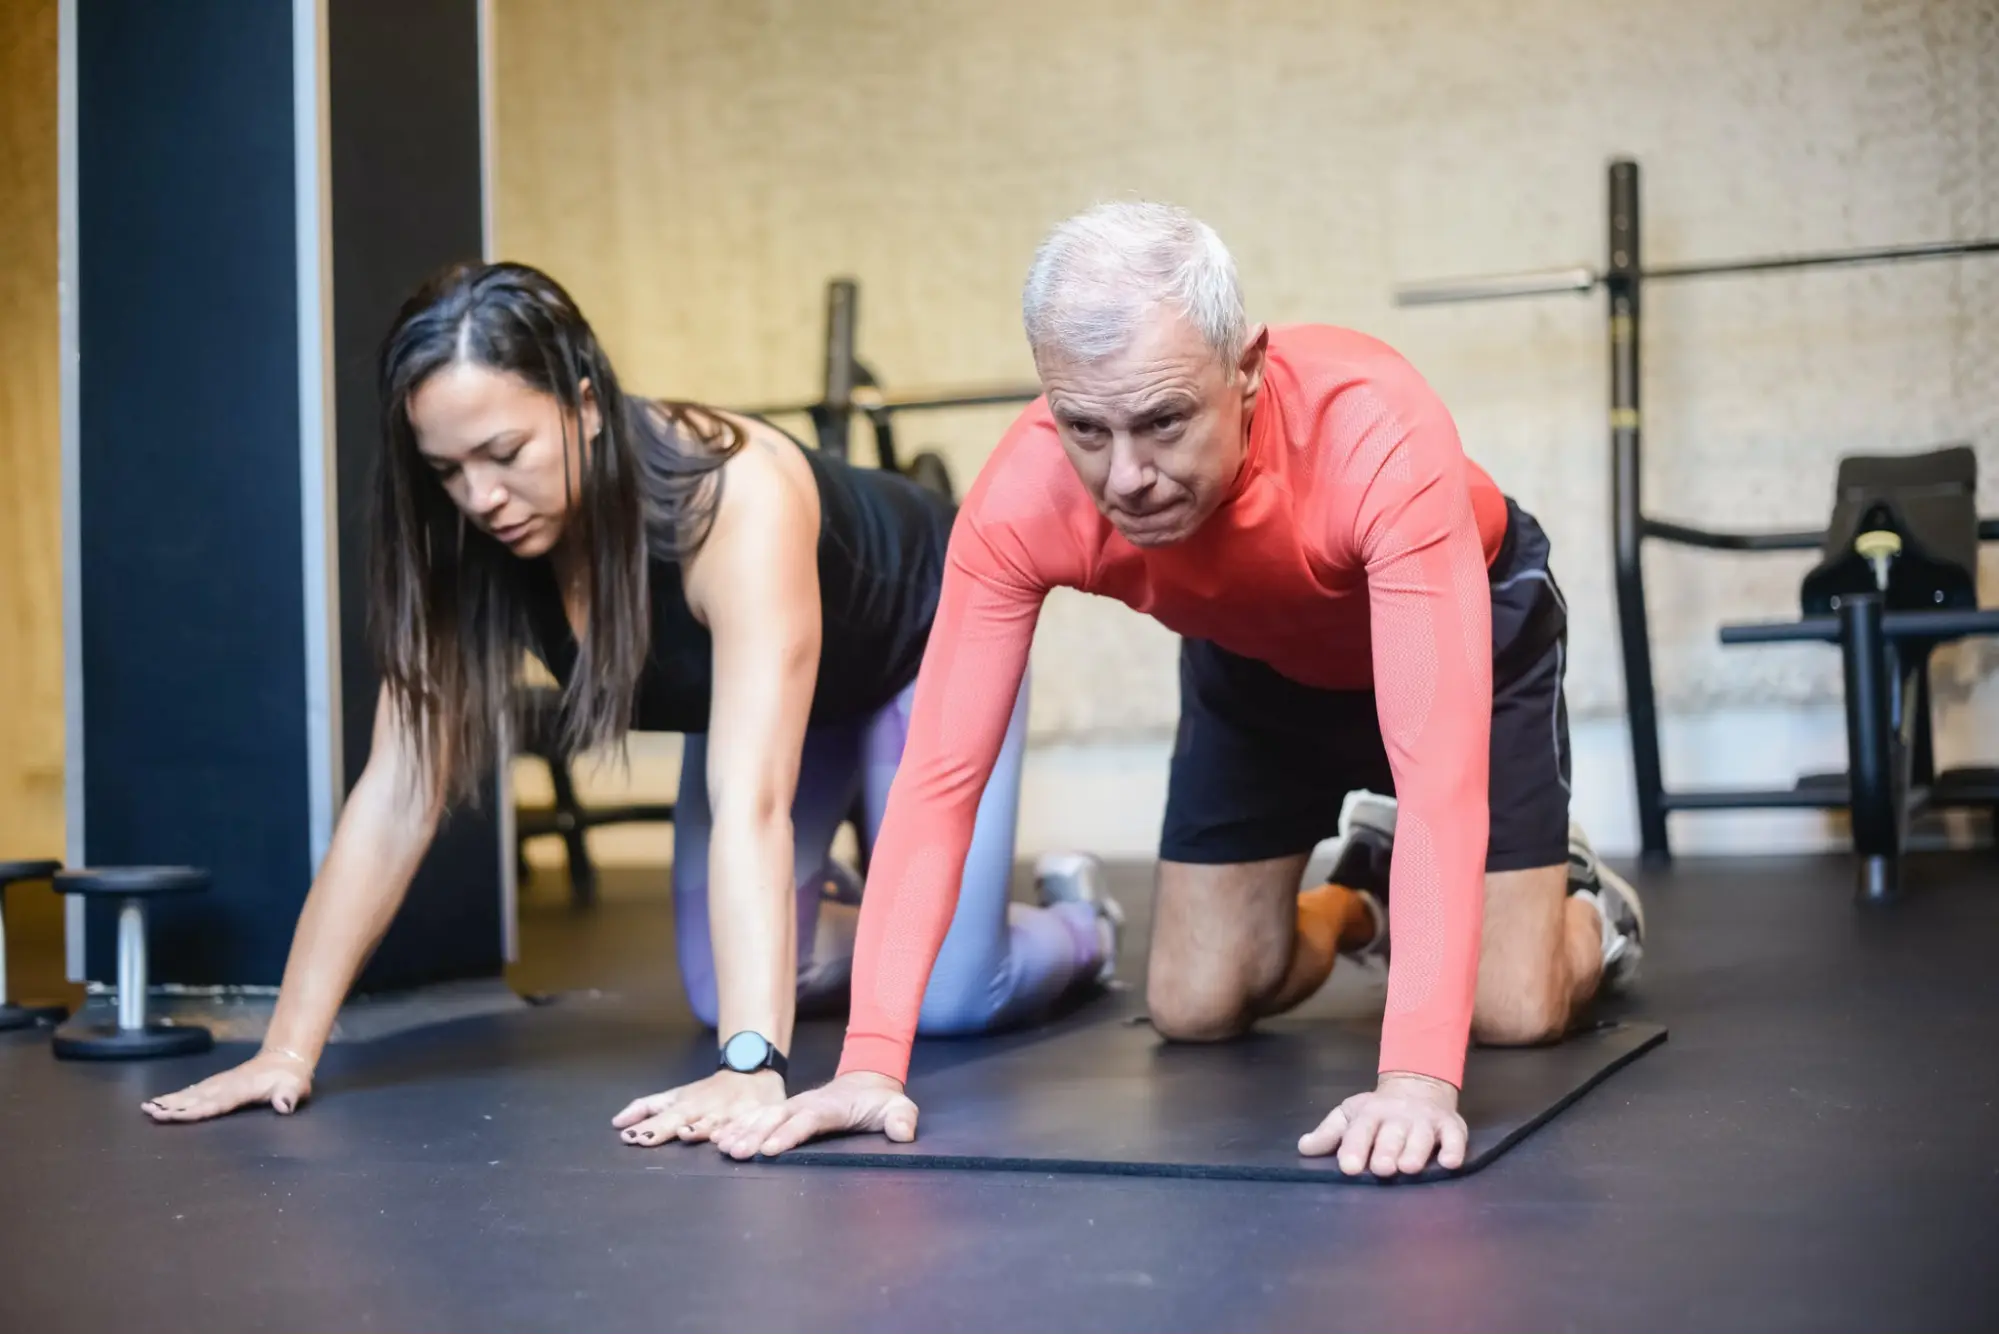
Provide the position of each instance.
(695, 1112)
(279, 1079)
(859, 1101)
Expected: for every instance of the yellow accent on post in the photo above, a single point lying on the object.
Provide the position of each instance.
(1878, 544)
(1623, 419)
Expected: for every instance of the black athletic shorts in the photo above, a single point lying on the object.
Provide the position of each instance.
(1261, 763)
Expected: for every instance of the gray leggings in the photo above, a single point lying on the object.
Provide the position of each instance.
(1002, 962)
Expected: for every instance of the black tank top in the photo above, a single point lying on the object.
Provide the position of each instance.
(881, 562)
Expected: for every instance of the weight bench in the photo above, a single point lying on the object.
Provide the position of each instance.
(570, 819)
(1898, 576)
(567, 817)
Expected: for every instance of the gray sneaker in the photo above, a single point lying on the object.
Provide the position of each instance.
(1367, 844)
(1078, 878)
(1617, 905)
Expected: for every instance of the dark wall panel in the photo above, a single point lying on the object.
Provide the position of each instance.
(406, 200)
(192, 576)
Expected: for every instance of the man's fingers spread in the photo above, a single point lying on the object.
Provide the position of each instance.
(798, 1129)
(1357, 1144)
(1388, 1144)
(1451, 1150)
(751, 1132)
(747, 1129)
(794, 1131)
(1417, 1149)
(1325, 1138)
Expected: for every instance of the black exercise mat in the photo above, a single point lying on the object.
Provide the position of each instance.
(1111, 1098)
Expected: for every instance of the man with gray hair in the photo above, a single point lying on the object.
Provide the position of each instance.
(1362, 612)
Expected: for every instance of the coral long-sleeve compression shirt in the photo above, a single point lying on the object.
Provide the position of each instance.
(1350, 553)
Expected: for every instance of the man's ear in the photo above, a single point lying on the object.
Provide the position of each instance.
(1255, 356)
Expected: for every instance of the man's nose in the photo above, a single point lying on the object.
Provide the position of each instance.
(1130, 474)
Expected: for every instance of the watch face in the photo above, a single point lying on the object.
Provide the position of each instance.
(745, 1052)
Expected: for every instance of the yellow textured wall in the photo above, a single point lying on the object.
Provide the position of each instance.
(31, 723)
(31, 720)
(695, 171)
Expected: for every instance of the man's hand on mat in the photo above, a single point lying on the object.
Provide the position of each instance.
(859, 1101)
(696, 1112)
(1394, 1128)
(279, 1079)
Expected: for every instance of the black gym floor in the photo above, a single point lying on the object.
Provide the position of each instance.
(1812, 1149)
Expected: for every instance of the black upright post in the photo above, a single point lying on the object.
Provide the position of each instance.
(1623, 280)
(835, 413)
(256, 188)
(190, 656)
(404, 159)
(1922, 744)
(1874, 802)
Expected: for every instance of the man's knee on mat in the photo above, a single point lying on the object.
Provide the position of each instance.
(1531, 1010)
(1223, 936)
(1207, 1006)
(1525, 977)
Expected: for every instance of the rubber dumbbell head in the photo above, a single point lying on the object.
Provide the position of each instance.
(135, 1035)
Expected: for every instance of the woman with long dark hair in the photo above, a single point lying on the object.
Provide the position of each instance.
(678, 569)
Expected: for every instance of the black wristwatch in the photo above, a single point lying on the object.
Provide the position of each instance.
(750, 1051)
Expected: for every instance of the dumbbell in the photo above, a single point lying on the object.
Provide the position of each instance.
(20, 1017)
(135, 1034)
